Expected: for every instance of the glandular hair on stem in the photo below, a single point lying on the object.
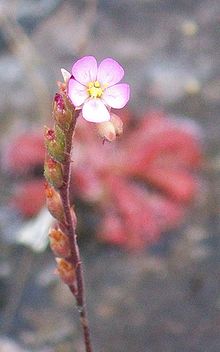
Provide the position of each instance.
(79, 308)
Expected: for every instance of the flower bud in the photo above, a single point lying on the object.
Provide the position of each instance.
(66, 271)
(61, 113)
(55, 143)
(109, 130)
(49, 134)
(117, 123)
(53, 173)
(59, 243)
(106, 130)
(59, 102)
(54, 203)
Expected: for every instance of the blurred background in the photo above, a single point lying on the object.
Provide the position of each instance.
(147, 205)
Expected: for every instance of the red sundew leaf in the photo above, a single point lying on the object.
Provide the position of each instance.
(162, 152)
(112, 230)
(29, 197)
(178, 184)
(85, 131)
(140, 227)
(168, 213)
(137, 230)
(86, 185)
(180, 147)
(167, 144)
(24, 153)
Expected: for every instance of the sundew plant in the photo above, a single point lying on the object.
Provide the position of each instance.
(88, 92)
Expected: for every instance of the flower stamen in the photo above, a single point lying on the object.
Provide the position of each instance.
(95, 90)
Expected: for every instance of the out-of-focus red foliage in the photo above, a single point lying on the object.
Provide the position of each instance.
(24, 153)
(141, 184)
(29, 197)
(164, 153)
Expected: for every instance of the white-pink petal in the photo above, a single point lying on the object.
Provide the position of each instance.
(109, 72)
(95, 110)
(66, 75)
(117, 96)
(85, 70)
(77, 92)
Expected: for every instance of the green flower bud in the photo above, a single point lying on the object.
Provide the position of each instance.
(62, 111)
(55, 143)
(53, 173)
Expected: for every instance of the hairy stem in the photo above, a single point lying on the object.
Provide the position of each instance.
(74, 258)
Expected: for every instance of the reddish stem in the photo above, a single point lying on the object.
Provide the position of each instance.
(74, 258)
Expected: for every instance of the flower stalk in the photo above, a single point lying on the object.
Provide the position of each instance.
(57, 172)
(90, 92)
(74, 257)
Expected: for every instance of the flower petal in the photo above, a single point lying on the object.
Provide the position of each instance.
(85, 70)
(77, 92)
(66, 75)
(109, 72)
(95, 110)
(117, 96)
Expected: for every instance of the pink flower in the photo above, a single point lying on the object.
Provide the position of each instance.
(94, 88)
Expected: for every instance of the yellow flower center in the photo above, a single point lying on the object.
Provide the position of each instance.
(95, 90)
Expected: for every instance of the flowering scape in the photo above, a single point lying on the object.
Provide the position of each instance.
(156, 153)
